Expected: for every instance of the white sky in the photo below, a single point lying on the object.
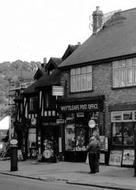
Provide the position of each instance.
(33, 29)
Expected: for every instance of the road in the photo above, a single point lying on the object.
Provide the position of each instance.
(18, 183)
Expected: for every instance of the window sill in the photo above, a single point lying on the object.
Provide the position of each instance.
(123, 87)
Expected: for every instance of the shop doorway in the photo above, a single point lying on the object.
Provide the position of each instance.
(49, 142)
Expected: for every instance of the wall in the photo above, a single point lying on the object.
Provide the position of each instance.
(102, 85)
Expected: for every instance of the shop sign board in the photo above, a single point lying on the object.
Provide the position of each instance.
(57, 91)
(115, 158)
(79, 107)
(128, 157)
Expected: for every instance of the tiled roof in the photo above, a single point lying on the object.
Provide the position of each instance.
(69, 50)
(53, 60)
(116, 38)
(49, 80)
(30, 89)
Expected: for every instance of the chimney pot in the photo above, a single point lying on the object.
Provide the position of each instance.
(97, 19)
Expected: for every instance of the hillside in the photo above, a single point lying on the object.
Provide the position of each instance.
(12, 72)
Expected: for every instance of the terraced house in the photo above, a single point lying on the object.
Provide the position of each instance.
(101, 85)
(99, 82)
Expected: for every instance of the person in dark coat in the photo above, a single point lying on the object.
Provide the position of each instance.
(93, 149)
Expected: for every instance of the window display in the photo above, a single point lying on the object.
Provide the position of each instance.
(70, 137)
(80, 138)
(117, 133)
(122, 134)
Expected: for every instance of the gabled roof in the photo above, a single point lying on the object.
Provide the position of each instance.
(40, 71)
(53, 62)
(116, 38)
(69, 50)
(49, 80)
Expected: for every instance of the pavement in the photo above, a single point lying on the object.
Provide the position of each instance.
(112, 177)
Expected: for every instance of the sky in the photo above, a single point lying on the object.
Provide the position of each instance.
(33, 29)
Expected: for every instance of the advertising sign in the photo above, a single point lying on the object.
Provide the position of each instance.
(128, 157)
(115, 158)
(57, 91)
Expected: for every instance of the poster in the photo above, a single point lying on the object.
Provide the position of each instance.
(115, 158)
(103, 143)
(102, 158)
(128, 157)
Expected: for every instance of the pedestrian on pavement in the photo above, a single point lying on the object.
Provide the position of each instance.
(93, 148)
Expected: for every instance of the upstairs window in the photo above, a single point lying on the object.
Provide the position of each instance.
(81, 79)
(33, 104)
(124, 73)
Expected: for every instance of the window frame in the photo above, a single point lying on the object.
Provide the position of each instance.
(79, 77)
(124, 73)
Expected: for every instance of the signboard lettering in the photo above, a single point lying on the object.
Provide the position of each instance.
(78, 107)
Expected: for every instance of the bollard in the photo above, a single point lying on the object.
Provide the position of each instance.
(13, 155)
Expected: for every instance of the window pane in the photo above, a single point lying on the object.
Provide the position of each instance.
(89, 82)
(78, 71)
(122, 76)
(134, 75)
(73, 83)
(128, 134)
(89, 69)
(129, 76)
(115, 64)
(72, 72)
(134, 61)
(83, 70)
(117, 134)
(78, 83)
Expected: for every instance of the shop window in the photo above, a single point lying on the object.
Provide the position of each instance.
(122, 134)
(117, 134)
(80, 137)
(70, 133)
(128, 134)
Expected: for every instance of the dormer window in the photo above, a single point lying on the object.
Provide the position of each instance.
(81, 79)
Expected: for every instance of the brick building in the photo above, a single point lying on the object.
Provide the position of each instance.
(101, 86)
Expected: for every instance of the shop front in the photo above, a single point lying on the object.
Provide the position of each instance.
(122, 141)
(76, 115)
(48, 139)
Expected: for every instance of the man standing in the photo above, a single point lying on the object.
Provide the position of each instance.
(93, 148)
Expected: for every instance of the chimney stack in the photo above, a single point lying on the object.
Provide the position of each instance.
(97, 20)
(44, 62)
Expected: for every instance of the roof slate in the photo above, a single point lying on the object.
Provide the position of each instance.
(116, 38)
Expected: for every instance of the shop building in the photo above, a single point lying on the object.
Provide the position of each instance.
(104, 66)
(30, 115)
(50, 132)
